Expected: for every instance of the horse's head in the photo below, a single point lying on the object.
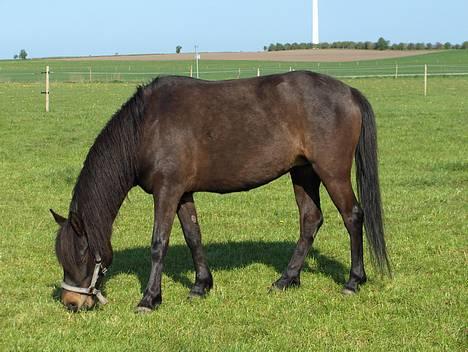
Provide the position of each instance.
(82, 271)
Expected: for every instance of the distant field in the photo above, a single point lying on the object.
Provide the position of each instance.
(446, 62)
(322, 55)
(249, 237)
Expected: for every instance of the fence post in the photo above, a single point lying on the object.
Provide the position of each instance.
(425, 79)
(396, 71)
(46, 92)
(238, 74)
(258, 72)
(90, 75)
(191, 71)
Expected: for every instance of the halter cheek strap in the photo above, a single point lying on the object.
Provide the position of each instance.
(91, 290)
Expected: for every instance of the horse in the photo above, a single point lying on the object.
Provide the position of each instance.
(177, 135)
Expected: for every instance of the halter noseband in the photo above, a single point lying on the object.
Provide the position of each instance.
(91, 290)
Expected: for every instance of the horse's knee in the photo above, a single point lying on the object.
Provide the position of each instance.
(311, 222)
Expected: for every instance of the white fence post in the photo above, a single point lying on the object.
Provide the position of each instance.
(46, 92)
(258, 72)
(396, 71)
(425, 80)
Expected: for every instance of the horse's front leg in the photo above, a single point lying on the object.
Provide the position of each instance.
(188, 219)
(166, 200)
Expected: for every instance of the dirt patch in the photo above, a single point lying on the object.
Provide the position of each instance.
(311, 55)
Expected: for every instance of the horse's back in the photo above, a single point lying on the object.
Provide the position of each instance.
(232, 135)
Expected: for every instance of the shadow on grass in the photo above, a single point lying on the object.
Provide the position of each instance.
(221, 256)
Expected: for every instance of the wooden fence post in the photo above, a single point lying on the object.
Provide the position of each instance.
(46, 92)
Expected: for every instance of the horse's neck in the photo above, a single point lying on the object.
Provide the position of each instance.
(98, 195)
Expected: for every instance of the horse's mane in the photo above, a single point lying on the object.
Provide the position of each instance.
(108, 173)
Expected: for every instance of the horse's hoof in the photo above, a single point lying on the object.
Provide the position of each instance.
(143, 310)
(348, 292)
(197, 293)
(284, 284)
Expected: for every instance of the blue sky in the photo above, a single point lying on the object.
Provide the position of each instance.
(93, 27)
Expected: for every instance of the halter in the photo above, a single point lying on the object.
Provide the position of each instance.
(91, 290)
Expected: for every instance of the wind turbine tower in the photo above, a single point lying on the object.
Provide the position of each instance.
(315, 23)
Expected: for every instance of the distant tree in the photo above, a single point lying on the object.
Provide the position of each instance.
(382, 44)
(15, 56)
(448, 45)
(420, 46)
(265, 48)
(369, 45)
(23, 54)
(178, 49)
(456, 46)
(429, 46)
(360, 45)
(272, 47)
(279, 46)
(411, 46)
(402, 46)
(438, 45)
(464, 45)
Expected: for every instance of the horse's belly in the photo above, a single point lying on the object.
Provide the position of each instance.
(244, 174)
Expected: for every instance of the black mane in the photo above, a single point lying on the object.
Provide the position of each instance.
(107, 175)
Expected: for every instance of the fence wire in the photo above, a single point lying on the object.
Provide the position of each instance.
(217, 72)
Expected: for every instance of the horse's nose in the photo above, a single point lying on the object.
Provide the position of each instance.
(73, 307)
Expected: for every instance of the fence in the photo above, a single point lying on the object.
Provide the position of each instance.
(216, 71)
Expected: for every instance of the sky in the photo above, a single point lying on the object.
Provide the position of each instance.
(99, 27)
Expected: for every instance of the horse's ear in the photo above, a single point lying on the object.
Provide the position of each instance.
(76, 223)
(59, 219)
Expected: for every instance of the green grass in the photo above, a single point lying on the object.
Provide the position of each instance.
(443, 62)
(249, 238)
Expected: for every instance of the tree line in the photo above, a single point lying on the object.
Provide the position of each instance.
(380, 44)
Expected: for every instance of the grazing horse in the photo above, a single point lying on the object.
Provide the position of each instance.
(178, 135)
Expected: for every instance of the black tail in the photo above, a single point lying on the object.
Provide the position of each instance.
(367, 177)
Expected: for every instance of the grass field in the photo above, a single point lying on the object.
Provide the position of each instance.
(454, 61)
(249, 238)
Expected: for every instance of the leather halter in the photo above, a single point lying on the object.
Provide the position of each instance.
(91, 290)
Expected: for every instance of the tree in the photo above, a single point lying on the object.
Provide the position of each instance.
(23, 54)
(464, 45)
(382, 44)
(178, 49)
(15, 56)
(369, 45)
(448, 45)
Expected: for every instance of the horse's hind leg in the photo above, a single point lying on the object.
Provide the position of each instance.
(342, 195)
(188, 219)
(306, 189)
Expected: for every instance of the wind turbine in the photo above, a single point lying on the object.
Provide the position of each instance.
(315, 23)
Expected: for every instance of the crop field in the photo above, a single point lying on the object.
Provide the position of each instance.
(249, 237)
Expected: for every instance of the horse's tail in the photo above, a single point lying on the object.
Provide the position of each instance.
(367, 178)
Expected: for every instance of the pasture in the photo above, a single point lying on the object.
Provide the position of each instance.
(249, 238)
(89, 71)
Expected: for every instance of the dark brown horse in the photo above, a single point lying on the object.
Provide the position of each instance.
(178, 135)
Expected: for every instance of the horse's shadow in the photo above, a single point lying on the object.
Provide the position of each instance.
(221, 256)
